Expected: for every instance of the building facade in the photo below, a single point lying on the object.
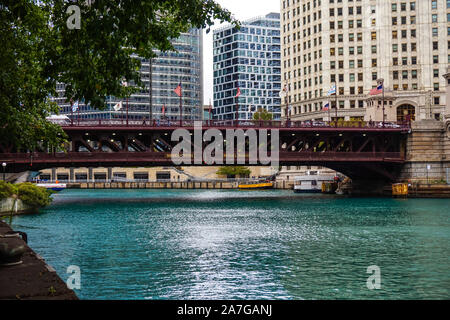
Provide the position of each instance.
(354, 44)
(248, 59)
(164, 72)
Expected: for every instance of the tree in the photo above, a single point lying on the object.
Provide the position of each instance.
(262, 114)
(233, 171)
(39, 50)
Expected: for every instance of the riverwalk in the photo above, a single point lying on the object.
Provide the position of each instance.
(226, 185)
(33, 279)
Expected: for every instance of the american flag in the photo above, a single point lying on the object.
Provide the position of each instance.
(178, 90)
(377, 90)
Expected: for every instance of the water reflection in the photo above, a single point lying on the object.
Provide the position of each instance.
(141, 244)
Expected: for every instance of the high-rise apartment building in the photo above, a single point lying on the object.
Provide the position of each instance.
(249, 59)
(355, 43)
(164, 72)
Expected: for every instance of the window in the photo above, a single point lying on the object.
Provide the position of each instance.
(434, 18)
(436, 73)
(437, 101)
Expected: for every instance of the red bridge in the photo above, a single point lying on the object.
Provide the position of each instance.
(357, 149)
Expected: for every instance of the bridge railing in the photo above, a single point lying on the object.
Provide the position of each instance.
(237, 123)
(165, 157)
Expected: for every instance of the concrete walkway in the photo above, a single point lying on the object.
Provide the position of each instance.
(34, 279)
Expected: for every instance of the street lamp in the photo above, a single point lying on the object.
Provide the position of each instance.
(4, 168)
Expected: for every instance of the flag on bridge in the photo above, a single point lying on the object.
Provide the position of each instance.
(238, 92)
(377, 90)
(332, 90)
(118, 106)
(164, 110)
(75, 107)
(178, 90)
(326, 107)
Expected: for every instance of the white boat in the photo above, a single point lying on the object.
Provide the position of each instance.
(53, 186)
(311, 183)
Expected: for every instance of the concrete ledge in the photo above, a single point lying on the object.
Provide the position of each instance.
(34, 279)
(19, 208)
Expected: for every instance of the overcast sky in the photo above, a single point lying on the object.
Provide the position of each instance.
(242, 10)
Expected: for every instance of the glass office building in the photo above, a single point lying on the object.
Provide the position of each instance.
(164, 73)
(248, 58)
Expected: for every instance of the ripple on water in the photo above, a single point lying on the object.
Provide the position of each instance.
(225, 244)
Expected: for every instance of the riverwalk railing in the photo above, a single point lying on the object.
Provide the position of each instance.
(114, 180)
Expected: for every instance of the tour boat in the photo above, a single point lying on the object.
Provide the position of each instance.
(256, 185)
(53, 186)
(311, 183)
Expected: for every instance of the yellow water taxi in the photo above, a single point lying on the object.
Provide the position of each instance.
(257, 185)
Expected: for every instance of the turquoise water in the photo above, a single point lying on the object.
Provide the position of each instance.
(147, 244)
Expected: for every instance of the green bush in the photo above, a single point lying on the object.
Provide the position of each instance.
(33, 195)
(7, 190)
(234, 171)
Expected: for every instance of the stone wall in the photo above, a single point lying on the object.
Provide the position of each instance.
(19, 207)
(428, 153)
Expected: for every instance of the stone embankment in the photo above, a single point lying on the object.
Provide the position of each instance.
(33, 279)
(18, 207)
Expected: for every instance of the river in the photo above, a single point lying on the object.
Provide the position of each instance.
(229, 244)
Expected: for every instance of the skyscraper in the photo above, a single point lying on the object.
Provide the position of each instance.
(356, 43)
(164, 72)
(248, 59)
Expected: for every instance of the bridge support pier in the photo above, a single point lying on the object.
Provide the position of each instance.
(90, 174)
(369, 187)
(428, 153)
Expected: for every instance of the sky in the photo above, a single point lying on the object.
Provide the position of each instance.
(242, 10)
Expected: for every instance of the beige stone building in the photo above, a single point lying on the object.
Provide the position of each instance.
(354, 43)
(144, 174)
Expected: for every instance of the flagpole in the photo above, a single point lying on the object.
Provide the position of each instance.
(210, 109)
(336, 104)
(127, 112)
(237, 108)
(237, 105)
(71, 111)
(181, 106)
(382, 83)
(151, 91)
(329, 112)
